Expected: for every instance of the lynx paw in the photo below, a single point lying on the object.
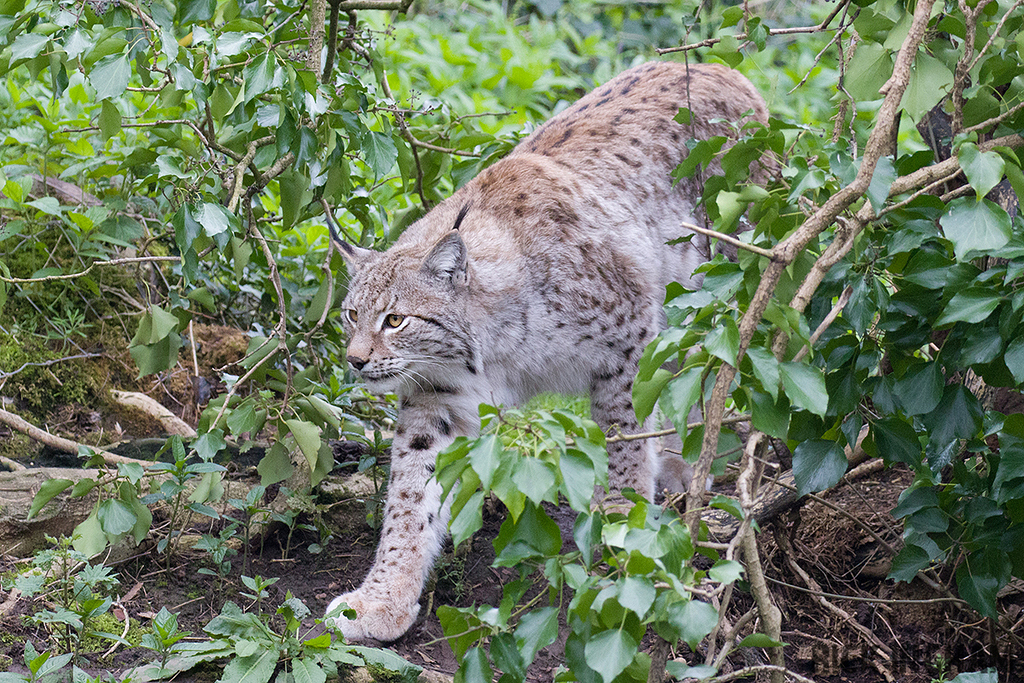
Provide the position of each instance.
(375, 620)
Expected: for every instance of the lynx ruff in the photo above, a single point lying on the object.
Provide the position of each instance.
(545, 273)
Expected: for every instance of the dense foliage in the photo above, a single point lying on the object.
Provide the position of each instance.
(202, 147)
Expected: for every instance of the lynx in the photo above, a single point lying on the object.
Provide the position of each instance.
(547, 272)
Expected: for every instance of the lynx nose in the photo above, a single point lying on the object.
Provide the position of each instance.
(357, 362)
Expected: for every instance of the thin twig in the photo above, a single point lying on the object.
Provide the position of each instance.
(729, 239)
(71, 276)
(708, 42)
(67, 445)
(43, 364)
(844, 298)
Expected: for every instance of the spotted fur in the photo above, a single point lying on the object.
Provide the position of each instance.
(545, 273)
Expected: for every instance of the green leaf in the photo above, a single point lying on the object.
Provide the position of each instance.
(308, 670)
(507, 658)
(485, 457)
(972, 305)
(47, 491)
(379, 151)
(610, 652)
(979, 584)
(214, 218)
(766, 369)
(930, 80)
(920, 390)
(474, 668)
(760, 640)
(637, 594)
(578, 479)
(768, 416)
(535, 630)
(724, 341)
(726, 571)
(881, 181)
(805, 387)
(681, 393)
(646, 393)
(679, 670)
(257, 668)
(28, 46)
(818, 465)
(897, 441)
(975, 227)
(536, 479)
(259, 76)
(109, 76)
(407, 672)
(109, 120)
(984, 170)
(869, 69)
(115, 517)
(307, 436)
(88, 537)
(693, 620)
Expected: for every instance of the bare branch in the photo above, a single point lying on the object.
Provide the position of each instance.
(71, 276)
(729, 239)
(708, 42)
(68, 446)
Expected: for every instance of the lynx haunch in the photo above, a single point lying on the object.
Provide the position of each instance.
(545, 273)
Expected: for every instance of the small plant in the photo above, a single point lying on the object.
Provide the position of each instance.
(258, 585)
(220, 552)
(249, 506)
(41, 667)
(163, 638)
(63, 576)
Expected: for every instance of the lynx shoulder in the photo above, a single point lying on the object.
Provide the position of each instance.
(545, 273)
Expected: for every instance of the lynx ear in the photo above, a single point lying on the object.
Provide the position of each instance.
(448, 259)
(355, 257)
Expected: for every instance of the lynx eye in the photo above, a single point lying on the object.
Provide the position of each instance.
(353, 316)
(393, 320)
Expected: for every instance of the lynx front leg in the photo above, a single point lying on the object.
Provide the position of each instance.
(415, 525)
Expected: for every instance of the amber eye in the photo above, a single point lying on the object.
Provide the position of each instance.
(353, 316)
(393, 320)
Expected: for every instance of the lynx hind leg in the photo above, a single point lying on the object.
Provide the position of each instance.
(631, 464)
(674, 473)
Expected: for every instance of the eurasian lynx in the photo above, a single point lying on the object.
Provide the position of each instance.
(545, 273)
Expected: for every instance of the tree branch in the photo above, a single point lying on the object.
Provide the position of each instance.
(60, 443)
(791, 247)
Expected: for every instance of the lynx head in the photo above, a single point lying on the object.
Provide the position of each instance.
(404, 314)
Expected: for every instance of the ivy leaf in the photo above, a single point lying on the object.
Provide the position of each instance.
(975, 227)
(766, 369)
(637, 594)
(49, 489)
(610, 652)
(971, 305)
(920, 390)
(536, 629)
(818, 465)
(109, 76)
(897, 441)
(646, 393)
(692, 620)
(805, 387)
(28, 46)
(984, 170)
(307, 436)
(930, 80)
(379, 151)
(724, 341)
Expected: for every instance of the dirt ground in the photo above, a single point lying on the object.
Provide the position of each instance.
(915, 642)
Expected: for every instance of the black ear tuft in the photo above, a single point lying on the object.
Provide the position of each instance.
(448, 259)
(462, 214)
(354, 256)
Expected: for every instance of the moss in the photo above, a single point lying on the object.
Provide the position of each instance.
(40, 389)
